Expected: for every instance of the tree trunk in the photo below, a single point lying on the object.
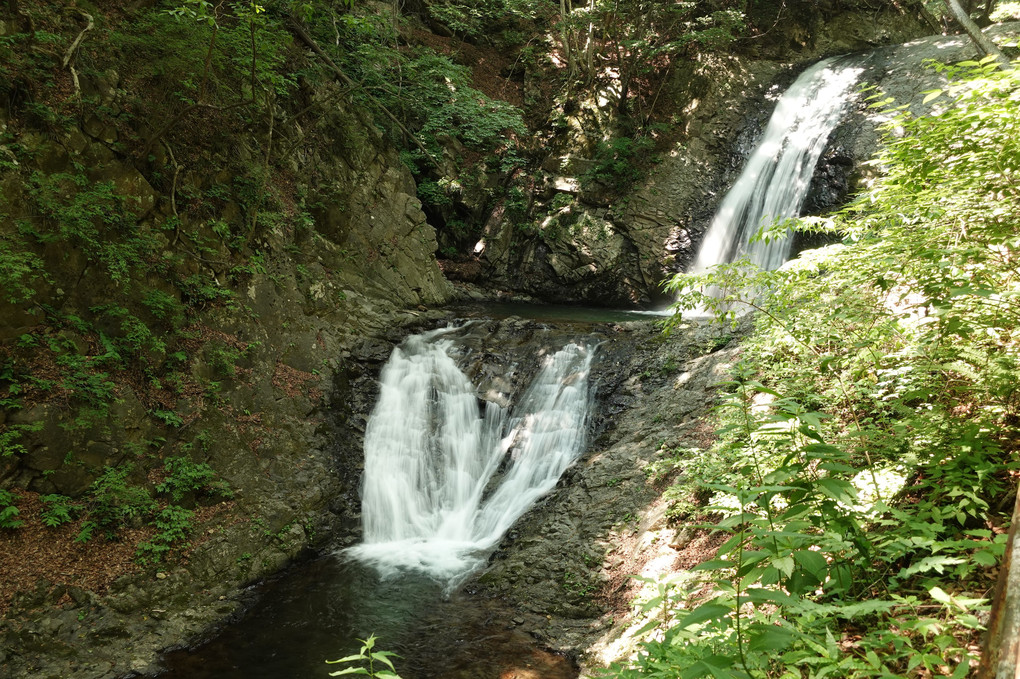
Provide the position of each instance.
(980, 39)
(568, 51)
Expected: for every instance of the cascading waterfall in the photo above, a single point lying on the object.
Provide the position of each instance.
(443, 481)
(776, 179)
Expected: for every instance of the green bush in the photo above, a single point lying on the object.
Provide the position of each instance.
(19, 272)
(185, 476)
(58, 509)
(618, 163)
(112, 502)
(173, 527)
(91, 216)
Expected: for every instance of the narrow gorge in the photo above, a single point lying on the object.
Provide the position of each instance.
(331, 320)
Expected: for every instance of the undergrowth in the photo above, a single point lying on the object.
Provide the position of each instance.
(870, 429)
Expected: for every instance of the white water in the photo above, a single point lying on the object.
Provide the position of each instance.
(432, 499)
(777, 176)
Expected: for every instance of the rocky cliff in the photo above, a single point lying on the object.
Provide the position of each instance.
(194, 300)
(596, 245)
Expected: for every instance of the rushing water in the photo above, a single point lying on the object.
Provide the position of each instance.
(446, 474)
(451, 461)
(776, 179)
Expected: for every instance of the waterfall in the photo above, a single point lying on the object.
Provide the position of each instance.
(445, 478)
(777, 176)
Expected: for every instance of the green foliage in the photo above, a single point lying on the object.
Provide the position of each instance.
(484, 17)
(618, 163)
(19, 272)
(91, 216)
(58, 510)
(184, 477)
(436, 99)
(173, 527)
(8, 510)
(223, 358)
(112, 501)
(868, 436)
(165, 307)
(368, 655)
(10, 438)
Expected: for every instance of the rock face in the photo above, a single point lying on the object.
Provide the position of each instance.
(280, 369)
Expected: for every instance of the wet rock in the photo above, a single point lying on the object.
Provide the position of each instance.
(556, 563)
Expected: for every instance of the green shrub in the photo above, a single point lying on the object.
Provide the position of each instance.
(618, 163)
(185, 476)
(58, 509)
(173, 527)
(9, 511)
(112, 502)
(19, 272)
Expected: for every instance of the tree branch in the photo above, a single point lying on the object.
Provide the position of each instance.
(983, 42)
(69, 55)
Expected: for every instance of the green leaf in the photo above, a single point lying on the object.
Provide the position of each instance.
(652, 624)
(985, 558)
(349, 658)
(703, 613)
(838, 489)
(349, 670)
(813, 562)
(767, 638)
(785, 565)
(940, 595)
(380, 656)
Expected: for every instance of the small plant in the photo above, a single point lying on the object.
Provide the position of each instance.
(9, 511)
(617, 163)
(223, 359)
(165, 307)
(185, 476)
(58, 510)
(111, 502)
(169, 418)
(10, 438)
(173, 526)
(368, 655)
(18, 272)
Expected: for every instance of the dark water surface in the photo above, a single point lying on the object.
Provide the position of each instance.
(555, 313)
(316, 610)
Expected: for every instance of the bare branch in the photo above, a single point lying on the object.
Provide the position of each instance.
(69, 55)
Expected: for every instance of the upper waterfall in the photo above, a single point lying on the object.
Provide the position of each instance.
(445, 478)
(776, 179)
